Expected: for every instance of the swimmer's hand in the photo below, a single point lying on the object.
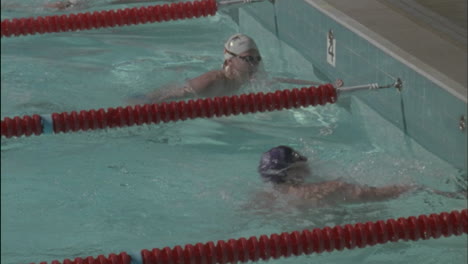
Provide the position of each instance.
(68, 5)
(462, 194)
(59, 5)
(338, 83)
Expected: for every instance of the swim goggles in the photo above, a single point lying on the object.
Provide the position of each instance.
(252, 60)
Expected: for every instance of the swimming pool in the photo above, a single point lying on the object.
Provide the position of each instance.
(82, 194)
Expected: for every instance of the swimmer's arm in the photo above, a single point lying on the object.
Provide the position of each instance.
(162, 95)
(69, 4)
(343, 191)
(294, 81)
(59, 5)
(365, 193)
(337, 83)
(62, 5)
(197, 86)
(133, 1)
(460, 194)
(168, 93)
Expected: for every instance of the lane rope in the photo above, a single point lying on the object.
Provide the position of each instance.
(107, 18)
(86, 120)
(318, 240)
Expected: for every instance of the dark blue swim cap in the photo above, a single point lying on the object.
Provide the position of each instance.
(274, 163)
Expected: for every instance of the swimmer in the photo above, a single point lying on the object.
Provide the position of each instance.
(68, 4)
(82, 4)
(117, 2)
(242, 65)
(286, 169)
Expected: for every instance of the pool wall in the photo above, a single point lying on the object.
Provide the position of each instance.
(428, 109)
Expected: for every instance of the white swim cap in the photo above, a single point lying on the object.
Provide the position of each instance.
(238, 44)
(73, 2)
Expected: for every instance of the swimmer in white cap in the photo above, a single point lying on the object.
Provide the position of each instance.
(242, 62)
(286, 169)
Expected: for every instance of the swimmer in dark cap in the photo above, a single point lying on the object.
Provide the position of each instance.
(283, 165)
(287, 170)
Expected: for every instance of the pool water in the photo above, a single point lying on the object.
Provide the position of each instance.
(85, 194)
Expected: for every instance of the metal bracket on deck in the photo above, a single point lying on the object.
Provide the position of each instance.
(235, 2)
(373, 86)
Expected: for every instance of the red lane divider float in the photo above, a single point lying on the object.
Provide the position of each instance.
(297, 243)
(166, 112)
(111, 18)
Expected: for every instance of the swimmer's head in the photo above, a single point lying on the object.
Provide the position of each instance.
(283, 164)
(241, 56)
(238, 44)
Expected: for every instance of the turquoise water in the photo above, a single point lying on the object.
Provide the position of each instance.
(85, 194)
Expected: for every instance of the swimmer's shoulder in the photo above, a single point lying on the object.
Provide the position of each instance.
(204, 83)
(212, 75)
(317, 190)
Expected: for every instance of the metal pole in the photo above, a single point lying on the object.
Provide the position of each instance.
(372, 86)
(235, 2)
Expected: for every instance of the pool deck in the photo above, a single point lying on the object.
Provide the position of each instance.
(432, 31)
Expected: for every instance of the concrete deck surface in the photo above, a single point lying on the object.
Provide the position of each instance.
(433, 31)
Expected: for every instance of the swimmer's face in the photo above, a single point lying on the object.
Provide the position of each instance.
(246, 63)
(283, 164)
(251, 58)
